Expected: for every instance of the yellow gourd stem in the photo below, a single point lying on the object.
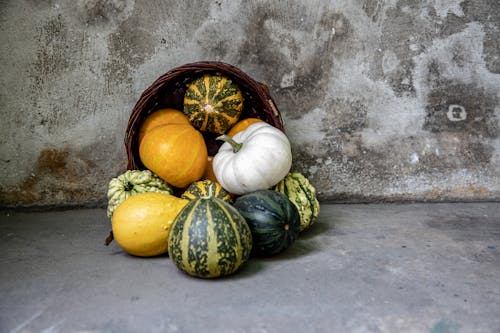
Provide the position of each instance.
(226, 138)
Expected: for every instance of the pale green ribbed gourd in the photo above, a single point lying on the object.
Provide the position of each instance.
(300, 191)
(133, 182)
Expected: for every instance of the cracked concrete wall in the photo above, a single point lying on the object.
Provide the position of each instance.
(382, 100)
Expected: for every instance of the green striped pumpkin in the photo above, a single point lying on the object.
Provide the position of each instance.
(206, 189)
(213, 103)
(209, 239)
(300, 191)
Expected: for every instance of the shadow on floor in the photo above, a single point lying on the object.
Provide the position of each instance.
(303, 246)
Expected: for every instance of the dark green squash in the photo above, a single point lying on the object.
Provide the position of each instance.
(209, 239)
(273, 220)
(213, 103)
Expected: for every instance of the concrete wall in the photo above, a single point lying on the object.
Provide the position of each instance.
(382, 99)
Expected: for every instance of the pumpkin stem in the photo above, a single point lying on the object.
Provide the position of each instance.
(226, 138)
(210, 193)
(128, 187)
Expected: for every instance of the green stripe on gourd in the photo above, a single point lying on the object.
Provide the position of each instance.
(213, 103)
(209, 239)
(206, 189)
(133, 182)
(300, 191)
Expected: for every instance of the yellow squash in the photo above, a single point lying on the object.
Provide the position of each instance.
(141, 224)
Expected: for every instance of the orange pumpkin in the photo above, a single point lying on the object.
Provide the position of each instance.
(162, 117)
(242, 125)
(176, 153)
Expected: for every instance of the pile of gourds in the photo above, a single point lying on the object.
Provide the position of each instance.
(210, 213)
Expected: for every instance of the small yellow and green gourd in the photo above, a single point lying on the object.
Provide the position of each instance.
(206, 189)
(213, 103)
(303, 195)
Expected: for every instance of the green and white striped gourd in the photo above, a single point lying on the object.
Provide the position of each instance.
(303, 195)
(133, 182)
(209, 238)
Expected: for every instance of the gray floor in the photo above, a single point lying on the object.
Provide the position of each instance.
(362, 268)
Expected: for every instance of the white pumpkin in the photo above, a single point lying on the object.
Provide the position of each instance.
(254, 159)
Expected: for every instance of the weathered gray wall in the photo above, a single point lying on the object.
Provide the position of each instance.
(382, 99)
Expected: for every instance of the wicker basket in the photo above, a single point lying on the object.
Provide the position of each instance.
(168, 91)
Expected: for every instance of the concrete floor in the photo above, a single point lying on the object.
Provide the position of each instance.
(362, 268)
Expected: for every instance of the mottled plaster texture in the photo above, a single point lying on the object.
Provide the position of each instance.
(382, 100)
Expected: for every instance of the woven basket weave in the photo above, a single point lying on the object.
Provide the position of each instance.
(168, 92)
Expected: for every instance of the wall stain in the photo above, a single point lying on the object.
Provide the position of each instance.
(476, 154)
(349, 116)
(209, 39)
(53, 56)
(372, 9)
(488, 14)
(475, 12)
(57, 53)
(128, 48)
(478, 103)
(53, 161)
(134, 39)
(58, 176)
(269, 31)
(399, 37)
(461, 116)
(23, 194)
(96, 12)
(347, 159)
